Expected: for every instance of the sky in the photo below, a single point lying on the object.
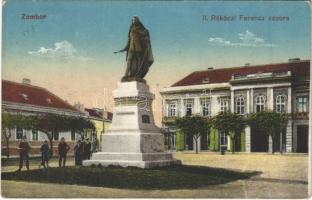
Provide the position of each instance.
(70, 50)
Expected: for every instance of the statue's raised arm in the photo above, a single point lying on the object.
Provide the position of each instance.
(139, 52)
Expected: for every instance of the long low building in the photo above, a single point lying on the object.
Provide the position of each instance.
(26, 99)
(283, 87)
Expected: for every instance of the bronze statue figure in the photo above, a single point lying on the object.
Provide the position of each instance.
(139, 52)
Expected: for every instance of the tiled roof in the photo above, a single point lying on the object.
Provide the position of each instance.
(94, 113)
(300, 68)
(32, 95)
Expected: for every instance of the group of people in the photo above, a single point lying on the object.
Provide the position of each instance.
(82, 151)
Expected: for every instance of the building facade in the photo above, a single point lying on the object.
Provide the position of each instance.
(281, 87)
(26, 99)
(102, 121)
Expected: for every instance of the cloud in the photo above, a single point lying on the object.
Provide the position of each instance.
(63, 50)
(246, 39)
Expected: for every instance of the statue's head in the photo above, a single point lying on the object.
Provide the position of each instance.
(135, 20)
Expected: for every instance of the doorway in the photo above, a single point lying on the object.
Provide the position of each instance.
(302, 138)
(259, 141)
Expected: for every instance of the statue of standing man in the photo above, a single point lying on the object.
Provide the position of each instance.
(139, 52)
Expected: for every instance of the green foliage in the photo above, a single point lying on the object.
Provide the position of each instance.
(47, 123)
(242, 142)
(269, 122)
(193, 126)
(214, 139)
(166, 178)
(12, 121)
(230, 123)
(179, 140)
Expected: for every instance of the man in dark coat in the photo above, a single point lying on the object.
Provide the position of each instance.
(78, 150)
(45, 153)
(87, 149)
(24, 148)
(63, 148)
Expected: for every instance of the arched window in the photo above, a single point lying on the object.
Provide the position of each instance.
(205, 104)
(280, 102)
(260, 103)
(240, 105)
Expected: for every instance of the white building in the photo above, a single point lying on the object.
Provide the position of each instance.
(283, 87)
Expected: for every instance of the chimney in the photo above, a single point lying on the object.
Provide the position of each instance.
(26, 81)
(79, 106)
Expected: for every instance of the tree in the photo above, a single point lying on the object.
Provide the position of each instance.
(7, 128)
(52, 124)
(80, 125)
(194, 126)
(10, 122)
(269, 122)
(231, 124)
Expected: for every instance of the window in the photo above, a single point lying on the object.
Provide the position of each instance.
(224, 105)
(205, 104)
(240, 105)
(172, 110)
(280, 102)
(189, 108)
(19, 133)
(302, 104)
(55, 135)
(260, 103)
(34, 135)
(73, 135)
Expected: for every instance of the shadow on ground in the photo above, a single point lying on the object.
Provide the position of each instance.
(174, 177)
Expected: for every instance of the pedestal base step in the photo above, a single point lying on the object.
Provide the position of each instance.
(127, 163)
(142, 160)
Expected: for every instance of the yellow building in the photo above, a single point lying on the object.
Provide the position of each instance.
(102, 121)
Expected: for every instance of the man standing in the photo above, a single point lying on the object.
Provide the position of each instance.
(78, 153)
(87, 149)
(45, 153)
(63, 148)
(24, 148)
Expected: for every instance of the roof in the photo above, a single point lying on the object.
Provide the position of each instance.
(109, 115)
(96, 114)
(299, 68)
(32, 95)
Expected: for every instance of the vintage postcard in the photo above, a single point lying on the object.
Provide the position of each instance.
(156, 99)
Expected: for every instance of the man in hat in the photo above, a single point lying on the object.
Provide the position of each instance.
(87, 149)
(45, 154)
(24, 148)
(63, 148)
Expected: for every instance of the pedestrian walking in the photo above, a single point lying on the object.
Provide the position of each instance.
(45, 154)
(23, 148)
(63, 148)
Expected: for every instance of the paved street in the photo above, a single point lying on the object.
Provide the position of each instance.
(282, 176)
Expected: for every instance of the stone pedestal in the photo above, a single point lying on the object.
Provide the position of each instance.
(133, 139)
